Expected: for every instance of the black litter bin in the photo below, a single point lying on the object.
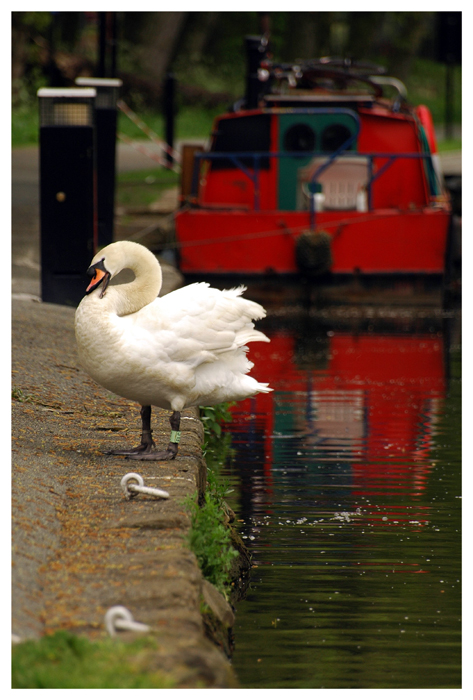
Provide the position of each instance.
(67, 191)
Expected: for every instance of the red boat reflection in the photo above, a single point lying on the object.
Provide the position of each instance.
(370, 399)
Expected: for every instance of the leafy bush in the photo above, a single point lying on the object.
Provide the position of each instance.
(209, 537)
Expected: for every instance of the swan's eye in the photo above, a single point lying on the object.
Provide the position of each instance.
(100, 265)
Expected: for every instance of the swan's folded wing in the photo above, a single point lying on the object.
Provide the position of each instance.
(203, 322)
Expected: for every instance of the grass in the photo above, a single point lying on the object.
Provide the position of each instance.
(143, 187)
(25, 125)
(449, 145)
(191, 123)
(18, 394)
(63, 660)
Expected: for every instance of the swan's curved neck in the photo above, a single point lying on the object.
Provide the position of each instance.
(131, 297)
(128, 298)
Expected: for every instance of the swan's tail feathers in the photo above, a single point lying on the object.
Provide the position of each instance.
(235, 291)
(254, 310)
(264, 388)
(251, 309)
(250, 335)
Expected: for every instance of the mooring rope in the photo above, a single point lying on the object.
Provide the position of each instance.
(144, 151)
(292, 231)
(148, 131)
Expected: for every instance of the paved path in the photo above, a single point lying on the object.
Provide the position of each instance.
(79, 546)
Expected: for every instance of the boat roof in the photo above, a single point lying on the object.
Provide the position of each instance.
(327, 81)
(319, 97)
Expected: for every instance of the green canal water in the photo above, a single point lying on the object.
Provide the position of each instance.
(347, 489)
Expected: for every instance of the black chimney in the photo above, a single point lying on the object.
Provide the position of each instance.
(256, 48)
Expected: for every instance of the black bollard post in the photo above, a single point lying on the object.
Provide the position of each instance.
(67, 191)
(169, 114)
(106, 135)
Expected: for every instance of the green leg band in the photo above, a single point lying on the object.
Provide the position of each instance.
(175, 436)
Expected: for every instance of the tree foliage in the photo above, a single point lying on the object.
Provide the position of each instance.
(205, 49)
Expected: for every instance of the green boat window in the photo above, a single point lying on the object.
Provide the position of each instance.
(333, 136)
(300, 137)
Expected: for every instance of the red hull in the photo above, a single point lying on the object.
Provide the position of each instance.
(382, 242)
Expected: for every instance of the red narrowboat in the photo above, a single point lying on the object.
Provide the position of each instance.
(323, 168)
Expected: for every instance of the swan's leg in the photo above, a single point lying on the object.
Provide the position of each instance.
(171, 451)
(147, 443)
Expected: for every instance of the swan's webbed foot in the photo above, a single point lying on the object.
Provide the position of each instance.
(171, 451)
(152, 455)
(146, 450)
(142, 448)
(147, 443)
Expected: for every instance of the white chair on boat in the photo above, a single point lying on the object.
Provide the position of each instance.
(343, 184)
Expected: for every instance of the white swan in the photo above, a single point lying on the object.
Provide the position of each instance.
(184, 349)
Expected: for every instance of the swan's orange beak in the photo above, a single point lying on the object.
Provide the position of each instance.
(99, 275)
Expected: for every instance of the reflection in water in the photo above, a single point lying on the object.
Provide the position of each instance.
(347, 487)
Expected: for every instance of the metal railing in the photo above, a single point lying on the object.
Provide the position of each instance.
(253, 171)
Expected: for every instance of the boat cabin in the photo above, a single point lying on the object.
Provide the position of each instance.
(326, 163)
